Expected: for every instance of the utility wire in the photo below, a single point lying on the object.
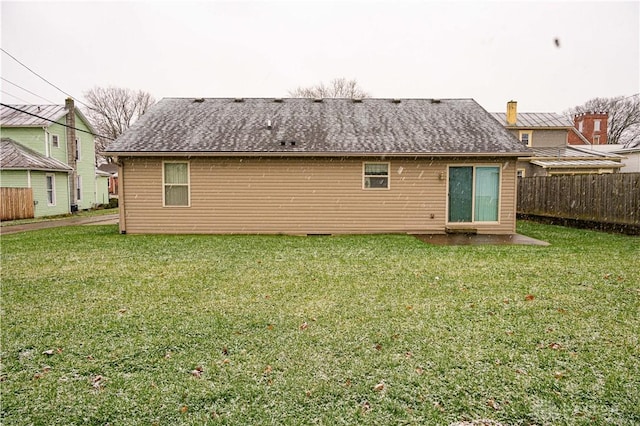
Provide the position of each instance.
(53, 121)
(13, 96)
(28, 91)
(41, 77)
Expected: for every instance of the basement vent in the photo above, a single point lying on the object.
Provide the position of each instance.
(317, 100)
(198, 100)
(238, 100)
(278, 100)
(269, 125)
(435, 101)
(293, 143)
(396, 101)
(282, 143)
(357, 100)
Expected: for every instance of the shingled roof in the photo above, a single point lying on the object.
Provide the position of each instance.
(14, 156)
(317, 127)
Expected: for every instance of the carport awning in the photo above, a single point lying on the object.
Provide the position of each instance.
(576, 164)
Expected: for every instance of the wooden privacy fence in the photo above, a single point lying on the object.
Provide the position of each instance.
(608, 199)
(16, 203)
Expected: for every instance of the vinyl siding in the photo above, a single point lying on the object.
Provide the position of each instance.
(298, 196)
(31, 137)
(14, 178)
(102, 189)
(86, 166)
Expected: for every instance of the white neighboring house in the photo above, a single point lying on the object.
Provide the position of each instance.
(631, 156)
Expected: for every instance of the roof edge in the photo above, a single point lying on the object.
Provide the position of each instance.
(310, 154)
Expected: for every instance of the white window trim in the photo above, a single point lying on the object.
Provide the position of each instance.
(188, 185)
(79, 188)
(53, 189)
(596, 125)
(388, 164)
(47, 146)
(526, 132)
(473, 195)
(523, 174)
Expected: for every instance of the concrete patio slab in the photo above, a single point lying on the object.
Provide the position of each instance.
(476, 240)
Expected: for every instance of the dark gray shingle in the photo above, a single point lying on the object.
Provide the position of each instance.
(181, 125)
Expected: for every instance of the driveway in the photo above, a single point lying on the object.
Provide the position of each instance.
(107, 219)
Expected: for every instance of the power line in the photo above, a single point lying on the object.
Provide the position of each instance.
(13, 96)
(28, 91)
(41, 77)
(53, 121)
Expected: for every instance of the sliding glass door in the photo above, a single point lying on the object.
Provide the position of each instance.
(474, 193)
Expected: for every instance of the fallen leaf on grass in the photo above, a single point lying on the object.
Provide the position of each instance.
(438, 407)
(49, 352)
(558, 374)
(122, 311)
(365, 407)
(419, 371)
(268, 370)
(378, 347)
(304, 326)
(529, 297)
(270, 327)
(379, 387)
(555, 346)
(493, 404)
(225, 351)
(184, 409)
(98, 382)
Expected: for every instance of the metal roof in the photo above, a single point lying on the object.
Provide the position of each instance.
(317, 127)
(14, 156)
(571, 152)
(37, 116)
(11, 118)
(534, 120)
(577, 164)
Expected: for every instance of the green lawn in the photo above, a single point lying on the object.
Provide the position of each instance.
(101, 328)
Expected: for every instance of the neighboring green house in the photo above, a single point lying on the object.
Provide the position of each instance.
(21, 167)
(61, 133)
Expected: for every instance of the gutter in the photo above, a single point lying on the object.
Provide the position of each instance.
(311, 154)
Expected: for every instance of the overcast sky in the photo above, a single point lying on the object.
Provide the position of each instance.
(489, 51)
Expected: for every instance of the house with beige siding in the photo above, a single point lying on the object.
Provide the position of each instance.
(317, 166)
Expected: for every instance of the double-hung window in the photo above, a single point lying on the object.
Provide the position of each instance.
(375, 176)
(526, 137)
(175, 180)
(50, 181)
(474, 193)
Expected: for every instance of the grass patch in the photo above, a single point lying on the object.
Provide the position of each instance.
(144, 329)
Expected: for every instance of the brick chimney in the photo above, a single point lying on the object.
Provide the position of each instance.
(592, 125)
(512, 113)
(72, 152)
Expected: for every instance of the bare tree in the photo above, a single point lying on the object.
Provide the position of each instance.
(624, 117)
(112, 110)
(337, 88)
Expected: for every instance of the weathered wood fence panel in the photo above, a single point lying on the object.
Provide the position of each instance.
(16, 203)
(611, 198)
